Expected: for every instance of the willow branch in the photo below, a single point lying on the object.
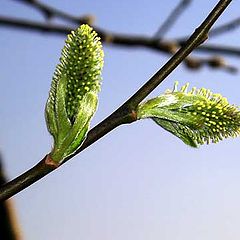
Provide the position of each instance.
(172, 18)
(216, 31)
(217, 49)
(50, 12)
(119, 39)
(197, 38)
(125, 113)
(216, 62)
(167, 47)
(235, 23)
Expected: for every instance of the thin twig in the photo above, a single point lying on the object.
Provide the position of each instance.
(217, 49)
(50, 12)
(212, 62)
(172, 18)
(125, 113)
(34, 26)
(168, 47)
(118, 39)
(216, 31)
(235, 23)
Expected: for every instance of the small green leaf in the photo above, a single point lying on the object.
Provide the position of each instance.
(73, 97)
(196, 117)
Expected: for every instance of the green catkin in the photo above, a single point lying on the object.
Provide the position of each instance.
(81, 61)
(196, 117)
(73, 95)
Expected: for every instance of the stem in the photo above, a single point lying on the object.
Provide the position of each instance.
(26, 179)
(126, 112)
(117, 39)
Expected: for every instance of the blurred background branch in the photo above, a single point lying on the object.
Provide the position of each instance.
(172, 18)
(49, 12)
(157, 42)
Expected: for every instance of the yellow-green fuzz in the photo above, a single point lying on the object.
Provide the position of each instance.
(73, 95)
(195, 116)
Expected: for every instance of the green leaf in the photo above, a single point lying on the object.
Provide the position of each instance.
(73, 97)
(196, 117)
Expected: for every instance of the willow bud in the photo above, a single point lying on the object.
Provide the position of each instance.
(196, 117)
(73, 96)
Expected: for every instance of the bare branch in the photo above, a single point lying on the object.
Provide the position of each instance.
(172, 18)
(50, 12)
(34, 26)
(225, 28)
(218, 49)
(216, 31)
(125, 113)
(213, 62)
(118, 39)
(168, 47)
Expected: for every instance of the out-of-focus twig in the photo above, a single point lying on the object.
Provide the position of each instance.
(117, 38)
(216, 31)
(217, 49)
(172, 18)
(9, 229)
(50, 12)
(34, 26)
(212, 62)
(229, 26)
(168, 47)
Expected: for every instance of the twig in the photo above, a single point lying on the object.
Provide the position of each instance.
(168, 47)
(34, 26)
(118, 39)
(217, 49)
(225, 28)
(213, 62)
(216, 31)
(49, 12)
(125, 113)
(172, 18)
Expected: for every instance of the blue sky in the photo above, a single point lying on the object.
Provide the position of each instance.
(139, 181)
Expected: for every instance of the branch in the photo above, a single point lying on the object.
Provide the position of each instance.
(49, 12)
(213, 62)
(172, 18)
(217, 49)
(225, 28)
(118, 39)
(125, 113)
(168, 47)
(34, 26)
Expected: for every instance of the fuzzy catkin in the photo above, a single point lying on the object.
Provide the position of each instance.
(81, 62)
(195, 116)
